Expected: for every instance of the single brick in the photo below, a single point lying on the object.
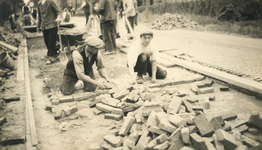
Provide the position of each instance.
(203, 125)
(128, 144)
(8, 99)
(48, 107)
(176, 135)
(241, 128)
(151, 121)
(143, 141)
(139, 116)
(229, 116)
(215, 124)
(161, 138)
(206, 103)
(110, 101)
(192, 99)
(212, 98)
(182, 109)
(120, 94)
(113, 117)
(187, 105)
(126, 125)
(162, 146)
(176, 145)
(224, 88)
(167, 126)
(199, 77)
(147, 110)
(218, 144)
(135, 127)
(83, 96)
(255, 120)
(58, 113)
(134, 136)
(95, 146)
(197, 107)
(151, 144)
(174, 105)
(206, 90)
(242, 147)
(155, 129)
(96, 101)
(208, 83)
(220, 120)
(185, 135)
(181, 93)
(104, 108)
(228, 140)
(253, 131)
(13, 140)
(198, 142)
(66, 99)
(97, 112)
(209, 146)
(200, 84)
(55, 102)
(192, 129)
(70, 110)
(249, 141)
(176, 120)
(117, 111)
(130, 107)
(2, 121)
(114, 141)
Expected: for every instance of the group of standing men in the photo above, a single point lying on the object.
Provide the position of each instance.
(142, 55)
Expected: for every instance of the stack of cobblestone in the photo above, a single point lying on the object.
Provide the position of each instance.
(162, 116)
(168, 21)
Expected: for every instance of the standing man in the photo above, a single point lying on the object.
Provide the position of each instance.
(106, 8)
(86, 8)
(49, 17)
(142, 58)
(129, 12)
(79, 67)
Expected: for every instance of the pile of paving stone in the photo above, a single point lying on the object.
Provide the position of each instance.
(163, 117)
(168, 21)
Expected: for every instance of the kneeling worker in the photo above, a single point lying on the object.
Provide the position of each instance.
(142, 58)
(79, 67)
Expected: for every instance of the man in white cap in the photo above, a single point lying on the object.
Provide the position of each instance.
(142, 58)
(79, 67)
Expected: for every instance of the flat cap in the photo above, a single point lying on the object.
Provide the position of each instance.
(148, 32)
(94, 42)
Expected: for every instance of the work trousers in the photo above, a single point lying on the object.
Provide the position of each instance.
(131, 22)
(50, 38)
(109, 35)
(143, 66)
(68, 84)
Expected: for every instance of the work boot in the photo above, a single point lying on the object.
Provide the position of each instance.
(139, 79)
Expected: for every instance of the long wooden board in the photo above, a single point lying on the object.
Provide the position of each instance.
(29, 104)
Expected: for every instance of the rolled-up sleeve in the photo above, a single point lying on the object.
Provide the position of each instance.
(99, 62)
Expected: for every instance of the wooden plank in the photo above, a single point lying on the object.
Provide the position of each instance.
(20, 75)
(34, 139)
(8, 47)
(229, 78)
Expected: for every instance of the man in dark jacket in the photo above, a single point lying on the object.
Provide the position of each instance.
(79, 67)
(49, 16)
(107, 10)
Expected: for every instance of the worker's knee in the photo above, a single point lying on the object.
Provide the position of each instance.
(142, 57)
(67, 90)
(161, 74)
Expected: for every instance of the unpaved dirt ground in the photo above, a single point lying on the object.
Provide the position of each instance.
(84, 127)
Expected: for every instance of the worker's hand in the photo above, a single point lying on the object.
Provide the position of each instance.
(153, 80)
(103, 86)
(59, 19)
(124, 13)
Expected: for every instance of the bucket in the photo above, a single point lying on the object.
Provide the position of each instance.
(6, 61)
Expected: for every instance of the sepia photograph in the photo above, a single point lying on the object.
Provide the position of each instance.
(130, 74)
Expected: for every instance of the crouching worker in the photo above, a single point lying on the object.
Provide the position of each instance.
(142, 58)
(79, 67)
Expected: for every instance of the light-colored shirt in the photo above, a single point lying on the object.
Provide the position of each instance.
(129, 8)
(137, 48)
(79, 62)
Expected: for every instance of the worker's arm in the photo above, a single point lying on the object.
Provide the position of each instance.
(39, 17)
(154, 66)
(79, 68)
(57, 11)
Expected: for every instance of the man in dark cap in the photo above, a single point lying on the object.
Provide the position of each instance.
(79, 67)
(142, 58)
